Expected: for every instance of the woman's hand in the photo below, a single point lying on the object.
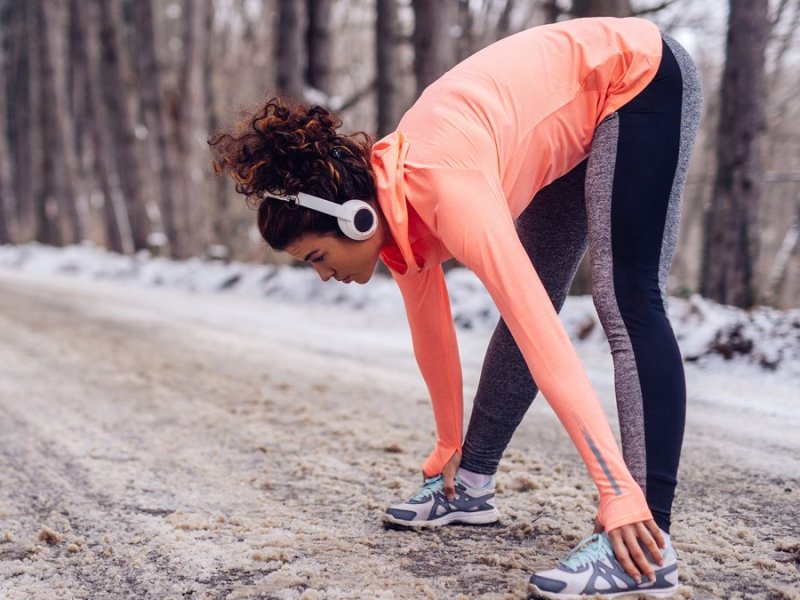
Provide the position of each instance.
(449, 473)
(626, 542)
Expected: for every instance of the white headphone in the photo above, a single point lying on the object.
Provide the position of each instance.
(356, 218)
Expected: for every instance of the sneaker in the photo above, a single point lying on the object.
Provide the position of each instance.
(591, 569)
(431, 508)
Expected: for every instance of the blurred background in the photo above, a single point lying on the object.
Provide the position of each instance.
(107, 106)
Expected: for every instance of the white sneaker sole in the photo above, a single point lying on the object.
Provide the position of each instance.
(483, 517)
(535, 592)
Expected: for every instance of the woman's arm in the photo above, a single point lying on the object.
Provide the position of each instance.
(472, 219)
(436, 349)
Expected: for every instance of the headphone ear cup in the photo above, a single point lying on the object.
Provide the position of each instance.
(360, 221)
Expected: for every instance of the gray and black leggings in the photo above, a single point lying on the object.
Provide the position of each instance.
(625, 200)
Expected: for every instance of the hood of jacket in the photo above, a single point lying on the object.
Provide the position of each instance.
(388, 164)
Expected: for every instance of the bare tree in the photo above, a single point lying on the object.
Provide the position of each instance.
(46, 207)
(289, 52)
(601, 8)
(504, 21)
(730, 245)
(223, 222)
(789, 248)
(76, 99)
(466, 26)
(552, 11)
(22, 105)
(388, 68)
(319, 45)
(482, 23)
(434, 44)
(115, 217)
(156, 117)
(58, 198)
(119, 120)
(6, 190)
(192, 127)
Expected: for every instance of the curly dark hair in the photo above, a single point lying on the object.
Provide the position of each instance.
(285, 149)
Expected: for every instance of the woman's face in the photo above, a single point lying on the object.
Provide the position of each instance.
(341, 258)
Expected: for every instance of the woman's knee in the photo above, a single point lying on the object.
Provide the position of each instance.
(628, 300)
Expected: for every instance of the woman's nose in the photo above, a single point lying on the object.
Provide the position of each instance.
(324, 273)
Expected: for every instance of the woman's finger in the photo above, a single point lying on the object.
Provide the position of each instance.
(647, 538)
(623, 557)
(598, 526)
(449, 475)
(656, 532)
(630, 535)
(449, 484)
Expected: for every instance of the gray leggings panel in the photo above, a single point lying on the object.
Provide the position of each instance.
(553, 231)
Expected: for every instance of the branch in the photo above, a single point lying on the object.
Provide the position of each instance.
(551, 10)
(504, 20)
(777, 275)
(357, 96)
(785, 42)
(653, 9)
(779, 12)
(777, 177)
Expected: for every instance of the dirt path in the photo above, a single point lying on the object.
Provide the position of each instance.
(156, 444)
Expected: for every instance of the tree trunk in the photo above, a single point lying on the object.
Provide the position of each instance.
(730, 247)
(22, 105)
(601, 8)
(465, 45)
(289, 54)
(434, 45)
(192, 128)
(158, 123)
(56, 129)
(504, 22)
(552, 11)
(388, 68)
(223, 224)
(6, 192)
(115, 218)
(319, 45)
(120, 121)
(76, 94)
(788, 249)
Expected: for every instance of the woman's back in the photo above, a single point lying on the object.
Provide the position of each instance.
(525, 108)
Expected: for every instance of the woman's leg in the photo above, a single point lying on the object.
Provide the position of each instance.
(637, 169)
(553, 231)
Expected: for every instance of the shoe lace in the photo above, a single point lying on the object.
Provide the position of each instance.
(589, 550)
(430, 487)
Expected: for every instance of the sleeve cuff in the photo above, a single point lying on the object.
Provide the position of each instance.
(440, 456)
(617, 511)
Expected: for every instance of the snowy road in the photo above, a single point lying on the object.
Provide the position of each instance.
(161, 444)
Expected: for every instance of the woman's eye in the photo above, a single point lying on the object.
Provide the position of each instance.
(318, 259)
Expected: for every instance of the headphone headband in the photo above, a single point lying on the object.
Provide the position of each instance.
(313, 202)
(356, 218)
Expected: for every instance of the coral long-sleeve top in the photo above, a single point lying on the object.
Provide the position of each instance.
(465, 161)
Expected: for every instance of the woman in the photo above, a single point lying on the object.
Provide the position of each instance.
(593, 119)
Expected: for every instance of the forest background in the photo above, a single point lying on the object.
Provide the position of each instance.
(106, 107)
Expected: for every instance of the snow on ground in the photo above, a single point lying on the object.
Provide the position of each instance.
(157, 442)
(708, 333)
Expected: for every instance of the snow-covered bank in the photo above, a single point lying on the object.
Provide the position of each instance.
(708, 333)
